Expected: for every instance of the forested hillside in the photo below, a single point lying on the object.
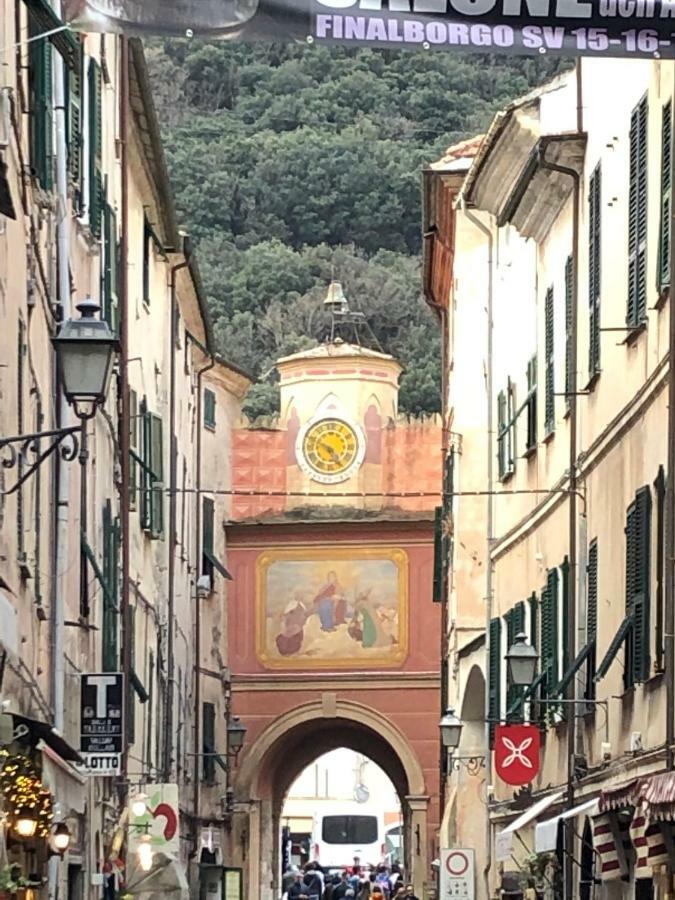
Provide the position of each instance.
(291, 163)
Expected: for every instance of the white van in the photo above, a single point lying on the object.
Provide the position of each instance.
(341, 833)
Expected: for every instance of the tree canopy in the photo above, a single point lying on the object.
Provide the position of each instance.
(293, 165)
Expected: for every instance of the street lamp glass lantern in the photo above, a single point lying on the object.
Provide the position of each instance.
(236, 734)
(86, 352)
(451, 730)
(25, 823)
(521, 660)
(61, 837)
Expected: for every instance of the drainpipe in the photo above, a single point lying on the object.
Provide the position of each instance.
(572, 575)
(669, 612)
(197, 600)
(125, 412)
(168, 718)
(490, 537)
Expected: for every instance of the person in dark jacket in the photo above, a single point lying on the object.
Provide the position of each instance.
(297, 890)
(312, 882)
(341, 887)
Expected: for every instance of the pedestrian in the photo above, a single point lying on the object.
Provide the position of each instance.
(382, 879)
(364, 890)
(409, 893)
(312, 882)
(377, 893)
(342, 886)
(297, 890)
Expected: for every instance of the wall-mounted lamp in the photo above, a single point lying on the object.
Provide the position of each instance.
(60, 839)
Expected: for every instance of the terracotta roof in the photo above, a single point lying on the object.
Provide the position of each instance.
(459, 156)
(337, 349)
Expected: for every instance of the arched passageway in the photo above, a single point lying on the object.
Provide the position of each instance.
(282, 752)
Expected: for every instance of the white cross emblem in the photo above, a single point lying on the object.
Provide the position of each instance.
(517, 754)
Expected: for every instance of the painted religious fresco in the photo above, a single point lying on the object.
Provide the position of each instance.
(322, 608)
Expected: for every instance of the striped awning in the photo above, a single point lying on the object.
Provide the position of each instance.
(658, 797)
(649, 842)
(612, 843)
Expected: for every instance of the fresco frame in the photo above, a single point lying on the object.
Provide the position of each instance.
(327, 552)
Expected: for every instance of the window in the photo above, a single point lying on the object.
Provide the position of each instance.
(506, 434)
(152, 493)
(591, 616)
(349, 830)
(133, 446)
(660, 489)
(494, 675)
(638, 527)
(95, 148)
(130, 693)
(208, 742)
(210, 562)
(594, 269)
(110, 651)
(74, 87)
(41, 104)
(549, 345)
(438, 555)
(569, 336)
(531, 404)
(550, 649)
(147, 250)
(636, 312)
(109, 267)
(209, 409)
(663, 266)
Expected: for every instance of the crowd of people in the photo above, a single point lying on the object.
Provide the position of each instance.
(357, 881)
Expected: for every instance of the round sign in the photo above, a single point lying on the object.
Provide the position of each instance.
(457, 863)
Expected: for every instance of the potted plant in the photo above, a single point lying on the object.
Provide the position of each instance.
(11, 881)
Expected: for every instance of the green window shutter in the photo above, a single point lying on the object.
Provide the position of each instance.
(501, 432)
(494, 675)
(207, 537)
(549, 345)
(157, 467)
(208, 742)
(110, 267)
(134, 431)
(591, 617)
(130, 693)
(594, 269)
(145, 468)
(511, 426)
(438, 555)
(532, 404)
(663, 266)
(660, 488)
(95, 148)
(209, 408)
(75, 149)
(515, 625)
(41, 132)
(110, 651)
(569, 300)
(637, 217)
(642, 579)
(565, 598)
(621, 637)
(147, 249)
(534, 620)
(549, 629)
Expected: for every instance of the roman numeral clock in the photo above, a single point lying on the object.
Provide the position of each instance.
(330, 449)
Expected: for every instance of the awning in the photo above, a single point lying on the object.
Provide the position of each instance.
(546, 833)
(619, 797)
(67, 786)
(658, 797)
(165, 876)
(43, 731)
(504, 840)
(612, 844)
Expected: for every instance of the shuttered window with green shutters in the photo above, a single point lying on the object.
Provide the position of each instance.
(564, 609)
(438, 555)
(549, 346)
(594, 268)
(109, 266)
(110, 628)
(95, 187)
(660, 489)
(531, 405)
(130, 693)
(152, 494)
(41, 104)
(638, 548)
(549, 630)
(506, 434)
(663, 266)
(147, 257)
(207, 536)
(637, 217)
(569, 300)
(208, 742)
(495, 676)
(591, 617)
(534, 620)
(209, 409)
(74, 85)
(515, 625)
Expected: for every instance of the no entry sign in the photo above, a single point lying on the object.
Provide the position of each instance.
(634, 28)
(457, 874)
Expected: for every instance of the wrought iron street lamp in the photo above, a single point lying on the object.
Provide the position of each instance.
(236, 735)
(61, 838)
(451, 730)
(521, 660)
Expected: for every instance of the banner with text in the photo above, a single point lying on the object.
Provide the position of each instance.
(636, 28)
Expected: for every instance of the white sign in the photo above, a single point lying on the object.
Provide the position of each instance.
(457, 875)
(160, 820)
(503, 846)
(101, 764)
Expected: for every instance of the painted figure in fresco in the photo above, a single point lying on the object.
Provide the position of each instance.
(366, 625)
(329, 601)
(289, 640)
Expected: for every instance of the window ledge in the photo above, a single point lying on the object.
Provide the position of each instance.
(530, 452)
(550, 434)
(662, 299)
(211, 428)
(654, 682)
(507, 477)
(634, 334)
(592, 381)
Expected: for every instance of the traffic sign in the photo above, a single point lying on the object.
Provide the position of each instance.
(457, 874)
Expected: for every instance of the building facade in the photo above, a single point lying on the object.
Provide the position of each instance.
(548, 256)
(116, 564)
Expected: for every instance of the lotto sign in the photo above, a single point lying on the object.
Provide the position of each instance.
(517, 753)
(101, 722)
(458, 875)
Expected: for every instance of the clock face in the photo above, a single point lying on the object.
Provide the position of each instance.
(330, 449)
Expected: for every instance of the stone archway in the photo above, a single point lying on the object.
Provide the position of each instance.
(292, 742)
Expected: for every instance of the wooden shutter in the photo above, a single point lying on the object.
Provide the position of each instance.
(145, 468)
(501, 438)
(494, 675)
(594, 269)
(110, 653)
(157, 467)
(534, 620)
(95, 148)
(133, 445)
(549, 629)
(209, 742)
(207, 536)
(532, 404)
(74, 84)
(641, 597)
(110, 266)
(637, 217)
(569, 300)
(663, 274)
(42, 147)
(565, 610)
(510, 427)
(438, 555)
(550, 362)
(660, 488)
(515, 625)
(130, 693)
(209, 408)
(591, 616)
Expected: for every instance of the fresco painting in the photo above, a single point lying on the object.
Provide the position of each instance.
(323, 608)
